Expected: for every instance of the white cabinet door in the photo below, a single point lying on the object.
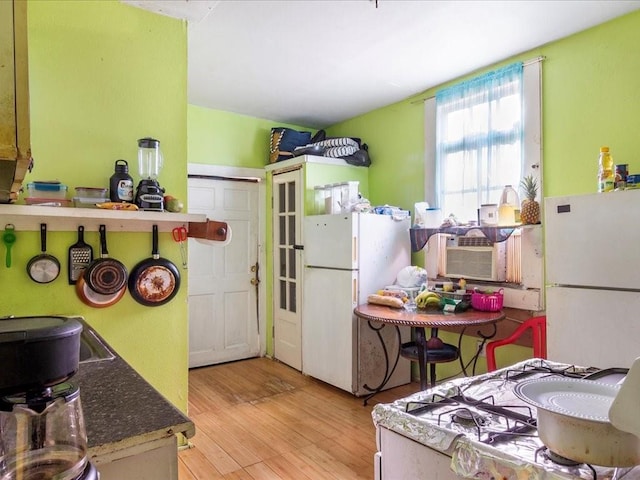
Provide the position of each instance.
(328, 329)
(596, 328)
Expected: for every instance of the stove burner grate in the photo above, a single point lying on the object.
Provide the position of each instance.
(563, 461)
(464, 416)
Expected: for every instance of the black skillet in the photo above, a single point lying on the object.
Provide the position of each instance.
(43, 268)
(156, 280)
(105, 275)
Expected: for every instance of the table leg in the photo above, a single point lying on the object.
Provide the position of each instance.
(387, 372)
(481, 335)
(421, 345)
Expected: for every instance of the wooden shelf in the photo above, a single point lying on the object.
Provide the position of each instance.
(29, 217)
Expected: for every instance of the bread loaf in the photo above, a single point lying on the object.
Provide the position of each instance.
(385, 300)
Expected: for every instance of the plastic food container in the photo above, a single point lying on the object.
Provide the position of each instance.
(88, 202)
(46, 190)
(91, 192)
(48, 202)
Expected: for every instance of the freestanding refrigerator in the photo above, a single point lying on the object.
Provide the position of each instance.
(593, 279)
(347, 257)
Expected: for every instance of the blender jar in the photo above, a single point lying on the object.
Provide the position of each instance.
(149, 158)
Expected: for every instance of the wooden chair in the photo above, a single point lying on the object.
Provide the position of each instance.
(538, 326)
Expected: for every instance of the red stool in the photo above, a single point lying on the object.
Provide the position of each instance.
(538, 326)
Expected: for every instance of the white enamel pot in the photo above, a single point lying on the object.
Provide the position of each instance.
(573, 421)
(588, 441)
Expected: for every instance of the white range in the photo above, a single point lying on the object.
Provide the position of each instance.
(477, 428)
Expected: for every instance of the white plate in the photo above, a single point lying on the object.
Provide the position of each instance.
(574, 397)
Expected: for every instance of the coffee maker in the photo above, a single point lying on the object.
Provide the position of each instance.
(149, 194)
(42, 434)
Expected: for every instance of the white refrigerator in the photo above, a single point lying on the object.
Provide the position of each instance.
(593, 279)
(347, 257)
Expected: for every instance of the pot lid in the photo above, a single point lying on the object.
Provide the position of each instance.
(29, 329)
(573, 397)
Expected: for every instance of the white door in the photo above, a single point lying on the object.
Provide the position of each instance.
(223, 311)
(287, 267)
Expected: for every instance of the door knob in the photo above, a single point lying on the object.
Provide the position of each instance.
(255, 281)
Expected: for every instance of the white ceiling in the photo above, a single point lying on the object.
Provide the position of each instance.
(318, 62)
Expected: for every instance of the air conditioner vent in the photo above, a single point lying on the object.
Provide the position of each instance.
(474, 242)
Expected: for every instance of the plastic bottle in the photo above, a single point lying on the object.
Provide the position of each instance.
(606, 173)
(509, 209)
(121, 183)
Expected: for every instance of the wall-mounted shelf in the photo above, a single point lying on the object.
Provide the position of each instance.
(29, 217)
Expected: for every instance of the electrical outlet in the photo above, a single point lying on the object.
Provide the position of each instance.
(480, 347)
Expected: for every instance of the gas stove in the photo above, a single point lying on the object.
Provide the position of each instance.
(484, 428)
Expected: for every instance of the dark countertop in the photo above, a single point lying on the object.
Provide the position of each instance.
(121, 409)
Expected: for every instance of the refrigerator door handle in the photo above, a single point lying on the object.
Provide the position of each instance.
(298, 247)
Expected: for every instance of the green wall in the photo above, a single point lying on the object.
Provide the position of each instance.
(102, 75)
(223, 138)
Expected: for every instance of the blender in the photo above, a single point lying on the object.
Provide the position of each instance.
(42, 433)
(149, 194)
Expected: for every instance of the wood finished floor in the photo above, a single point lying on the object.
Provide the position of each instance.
(258, 419)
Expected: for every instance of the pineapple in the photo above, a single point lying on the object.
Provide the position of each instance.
(530, 211)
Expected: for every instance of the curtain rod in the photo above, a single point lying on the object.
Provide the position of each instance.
(524, 64)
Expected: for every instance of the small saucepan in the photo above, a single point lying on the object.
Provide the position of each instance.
(106, 276)
(154, 281)
(43, 268)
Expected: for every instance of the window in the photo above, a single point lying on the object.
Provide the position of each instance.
(478, 140)
(481, 135)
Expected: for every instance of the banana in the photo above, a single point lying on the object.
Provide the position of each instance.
(427, 299)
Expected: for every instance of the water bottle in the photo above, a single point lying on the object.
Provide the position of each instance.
(121, 183)
(509, 210)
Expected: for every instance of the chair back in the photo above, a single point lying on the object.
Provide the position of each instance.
(538, 326)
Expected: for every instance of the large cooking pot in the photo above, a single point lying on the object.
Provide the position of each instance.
(573, 421)
(37, 352)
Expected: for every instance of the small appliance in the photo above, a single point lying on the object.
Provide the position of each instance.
(42, 434)
(149, 194)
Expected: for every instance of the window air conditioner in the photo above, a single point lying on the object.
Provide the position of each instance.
(476, 258)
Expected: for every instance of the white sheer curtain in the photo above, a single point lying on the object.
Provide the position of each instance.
(479, 141)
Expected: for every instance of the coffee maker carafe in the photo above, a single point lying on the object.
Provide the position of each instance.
(149, 194)
(42, 434)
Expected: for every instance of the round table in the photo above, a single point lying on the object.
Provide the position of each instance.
(419, 320)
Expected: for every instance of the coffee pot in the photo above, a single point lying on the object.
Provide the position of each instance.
(42, 432)
(149, 194)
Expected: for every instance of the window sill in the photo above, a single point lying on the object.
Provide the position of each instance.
(420, 235)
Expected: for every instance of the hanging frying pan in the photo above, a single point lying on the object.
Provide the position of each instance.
(94, 299)
(154, 281)
(105, 275)
(43, 268)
